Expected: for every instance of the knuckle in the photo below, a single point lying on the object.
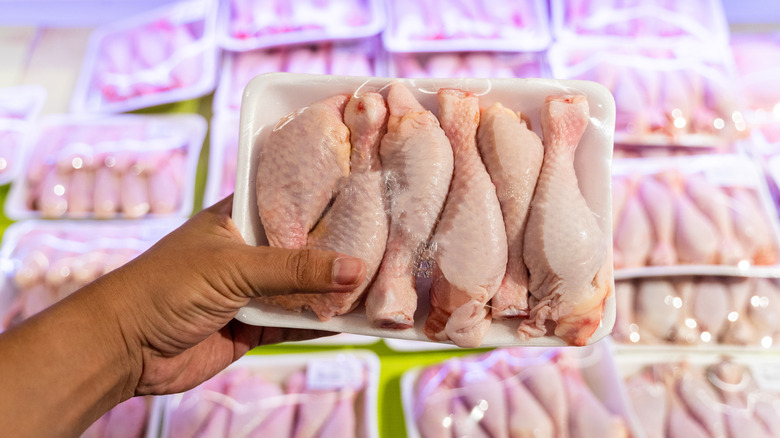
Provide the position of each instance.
(299, 265)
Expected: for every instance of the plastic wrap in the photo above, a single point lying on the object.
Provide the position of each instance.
(681, 95)
(254, 24)
(702, 215)
(43, 262)
(700, 312)
(353, 57)
(433, 26)
(672, 394)
(290, 93)
(162, 56)
(667, 22)
(517, 392)
(131, 419)
(123, 166)
(319, 394)
(19, 106)
(468, 64)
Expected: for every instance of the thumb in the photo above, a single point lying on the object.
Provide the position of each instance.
(275, 271)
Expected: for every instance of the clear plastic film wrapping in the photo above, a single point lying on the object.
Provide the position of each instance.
(325, 394)
(42, 262)
(518, 392)
(125, 166)
(272, 97)
(133, 418)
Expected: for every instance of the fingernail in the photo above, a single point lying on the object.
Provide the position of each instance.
(347, 270)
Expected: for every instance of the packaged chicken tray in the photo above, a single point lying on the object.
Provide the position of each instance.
(698, 313)
(428, 219)
(697, 215)
(350, 57)
(500, 25)
(306, 395)
(518, 392)
(165, 55)
(43, 261)
(19, 106)
(254, 24)
(133, 418)
(109, 167)
(702, 394)
(666, 95)
(702, 21)
(757, 56)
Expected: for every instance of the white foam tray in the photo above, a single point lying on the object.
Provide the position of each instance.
(277, 368)
(272, 96)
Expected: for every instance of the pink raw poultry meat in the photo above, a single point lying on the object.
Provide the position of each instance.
(752, 227)
(714, 203)
(470, 239)
(588, 417)
(546, 384)
(482, 390)
(565, 250)
(342, 422)
(253, 398)
(433, 390)
(417, 163)
(195, 407)
(648, 400)
(314, 408)
(660, 208)
(512, 154)
(299, 170)
(634, 233)
(696, 238)
(702, 401)
(356, 223)
(527, 417)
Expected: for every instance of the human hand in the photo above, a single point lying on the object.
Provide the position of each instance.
(179, 299)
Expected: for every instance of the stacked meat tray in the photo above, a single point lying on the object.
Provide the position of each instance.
(585, 191)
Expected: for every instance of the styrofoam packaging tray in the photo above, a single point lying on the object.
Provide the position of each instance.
(595, 363)
(723, 170)
(188, 129)
(532, 34)
(103, 234)
(276, 368)
(339, 339)
(701, 20)
(624, 66)
(227, 98)
(87, 96)
(336, 30)
(270, 97)
(19, 106)
(763, 368)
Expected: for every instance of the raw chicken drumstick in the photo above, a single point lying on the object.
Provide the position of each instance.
(417, 163)
(512, 154)
(565, 250)
(356, 223)
(470, 239)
